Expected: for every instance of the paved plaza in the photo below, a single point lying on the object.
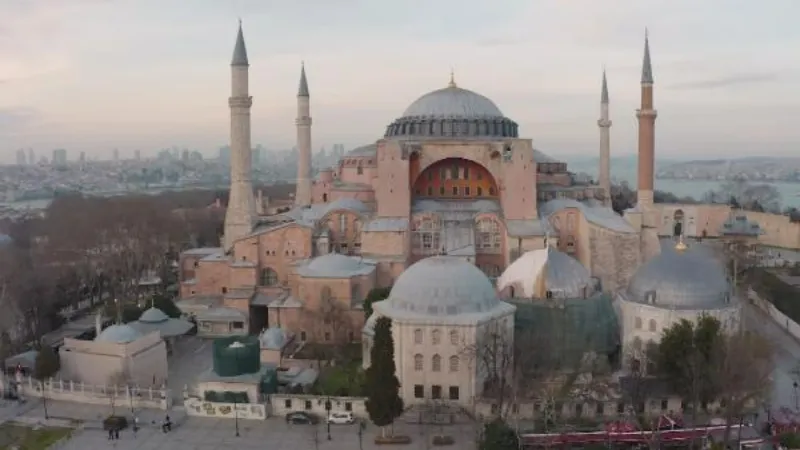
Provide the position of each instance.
(195, 433)
(191, 356)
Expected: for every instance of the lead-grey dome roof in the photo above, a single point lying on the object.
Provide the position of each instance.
(118, 334)
(451, 102)
(442, 286)
(681, 279)
(564, 276)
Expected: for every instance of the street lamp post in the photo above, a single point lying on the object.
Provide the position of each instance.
(328, 409)
(236, 413)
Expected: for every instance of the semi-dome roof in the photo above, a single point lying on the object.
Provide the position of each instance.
(451, 102)
(272, 338)
(442, 286)
(564, 276)
(682, 278)
(153, 315)
(118, 334)
(335, 265)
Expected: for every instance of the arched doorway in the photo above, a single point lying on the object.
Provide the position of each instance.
(677, 223)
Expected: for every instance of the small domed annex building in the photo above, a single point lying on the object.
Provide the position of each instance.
(683, 282)
(442, 310)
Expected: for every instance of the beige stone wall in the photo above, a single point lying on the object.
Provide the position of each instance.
(393, 192)
(779, 231)
(614, 256)
(92, 362)
(211, 277)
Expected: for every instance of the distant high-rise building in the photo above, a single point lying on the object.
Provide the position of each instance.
(196, 156)
(185, 155)
(116, 154)
(31, 157)
(225, 154)
(83, 157)
(257, 156)
(137, 155)
(21, 160)
(59, 156)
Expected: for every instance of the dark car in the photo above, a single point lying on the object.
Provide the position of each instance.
(301, 418)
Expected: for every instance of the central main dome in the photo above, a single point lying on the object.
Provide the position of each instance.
(453, 102)
(452, 112)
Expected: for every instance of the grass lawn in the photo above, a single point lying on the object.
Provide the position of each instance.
(26, 438)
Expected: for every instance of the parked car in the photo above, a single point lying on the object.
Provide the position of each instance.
(301, 418)
(341, 418)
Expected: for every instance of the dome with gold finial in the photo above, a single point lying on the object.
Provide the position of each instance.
(452, 112)
(681, 277)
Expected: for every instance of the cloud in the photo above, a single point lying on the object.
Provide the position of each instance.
(725, 81)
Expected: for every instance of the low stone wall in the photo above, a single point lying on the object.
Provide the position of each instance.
(251, 411)
(781, 319)
(283, 404)
(69, 391)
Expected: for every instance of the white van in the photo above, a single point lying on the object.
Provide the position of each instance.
(341, 418)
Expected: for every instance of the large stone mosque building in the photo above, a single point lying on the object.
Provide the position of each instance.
(470, 224)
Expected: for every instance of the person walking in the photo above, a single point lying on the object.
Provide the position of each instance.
(135, 425)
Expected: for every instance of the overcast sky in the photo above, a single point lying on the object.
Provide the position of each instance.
(91, 75)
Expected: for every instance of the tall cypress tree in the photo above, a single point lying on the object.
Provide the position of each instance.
(384, 404)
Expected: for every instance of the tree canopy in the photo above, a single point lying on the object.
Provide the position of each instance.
(497, 435)
(382, 387)
(46, 364)
(686, 356)
(375, 295)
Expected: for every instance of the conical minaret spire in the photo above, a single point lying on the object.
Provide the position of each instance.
(302, 196)
(647, 67)
(646, 115)
(241, 210)
(604, 123)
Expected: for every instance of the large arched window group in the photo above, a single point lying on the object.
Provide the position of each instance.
(488, 239)
(269, 277)
(426, 236)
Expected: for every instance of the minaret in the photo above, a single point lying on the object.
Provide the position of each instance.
(302, 196)
(605, 144)
(241, 204)
(647, 123)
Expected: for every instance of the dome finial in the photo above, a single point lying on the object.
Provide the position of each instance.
(680, 246)
(452, 82)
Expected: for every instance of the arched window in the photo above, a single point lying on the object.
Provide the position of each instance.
(357, 237)
(652, 325)
(488, 236)
(637, 323)
(359, 169)
(436, 363)
(418, 336)
(269, 277)
(418, 362)
(453, 337)
(637, 344)
(454, 364)
(436, 337)
(355, 293)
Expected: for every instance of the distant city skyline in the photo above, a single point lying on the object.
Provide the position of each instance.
(94, 75)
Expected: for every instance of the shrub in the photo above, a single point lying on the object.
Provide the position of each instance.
(790, 440)
(392, 440)
(441, 440)
(115, 423)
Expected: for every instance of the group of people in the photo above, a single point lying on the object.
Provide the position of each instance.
(113, 432)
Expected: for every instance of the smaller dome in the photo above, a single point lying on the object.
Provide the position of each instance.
(118, 334)
(273, 338)
(683, 278)
(440, 285)
(153, 315)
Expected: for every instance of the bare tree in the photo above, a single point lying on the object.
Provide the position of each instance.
(742, 374)
(493, 358)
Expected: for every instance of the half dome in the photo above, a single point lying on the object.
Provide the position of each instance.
(537, 272)
(153, 315)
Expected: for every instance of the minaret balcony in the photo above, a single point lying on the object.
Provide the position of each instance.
(303, 121)
(240, 102)
(604, 123)
(646, 113)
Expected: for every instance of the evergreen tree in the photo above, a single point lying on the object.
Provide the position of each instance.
(382, 387)
(498, 436)
(46, 364)
(375, 295)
